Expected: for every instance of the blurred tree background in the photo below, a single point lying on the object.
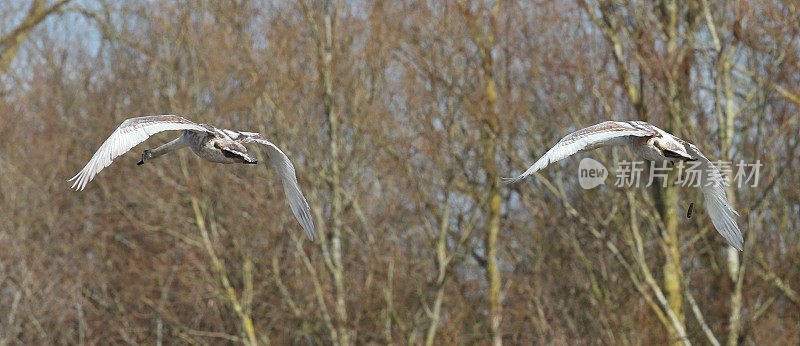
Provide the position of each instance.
(400, 116)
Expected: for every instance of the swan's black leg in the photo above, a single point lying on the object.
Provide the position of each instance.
(145, 156)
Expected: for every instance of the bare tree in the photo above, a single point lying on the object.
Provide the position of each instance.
(400, 117)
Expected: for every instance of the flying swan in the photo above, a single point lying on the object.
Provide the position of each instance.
(650, 143)
(208, 142)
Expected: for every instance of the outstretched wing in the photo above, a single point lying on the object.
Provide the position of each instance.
(716, 200)
(300, 208)
(605, 133)
(129, 134)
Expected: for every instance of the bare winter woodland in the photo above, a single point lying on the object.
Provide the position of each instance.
(400, 117)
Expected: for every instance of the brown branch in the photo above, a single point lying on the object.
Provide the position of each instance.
(11, 42)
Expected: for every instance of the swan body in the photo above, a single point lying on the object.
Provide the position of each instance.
(650, 143)
(206, 141)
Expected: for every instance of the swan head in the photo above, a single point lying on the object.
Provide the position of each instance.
(235, 151)
(672, 150)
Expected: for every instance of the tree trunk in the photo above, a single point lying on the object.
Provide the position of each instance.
(735, 268)
(334, 126)
(10, 43)
(667, 198)
(489, 136)
(492, 196)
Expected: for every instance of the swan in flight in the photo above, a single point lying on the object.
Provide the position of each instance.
(208, 142)
(650, 143)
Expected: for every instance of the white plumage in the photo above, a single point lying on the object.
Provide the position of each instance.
(650, 143)
(208, 142)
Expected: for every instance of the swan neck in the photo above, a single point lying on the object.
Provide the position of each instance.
(173, 145)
